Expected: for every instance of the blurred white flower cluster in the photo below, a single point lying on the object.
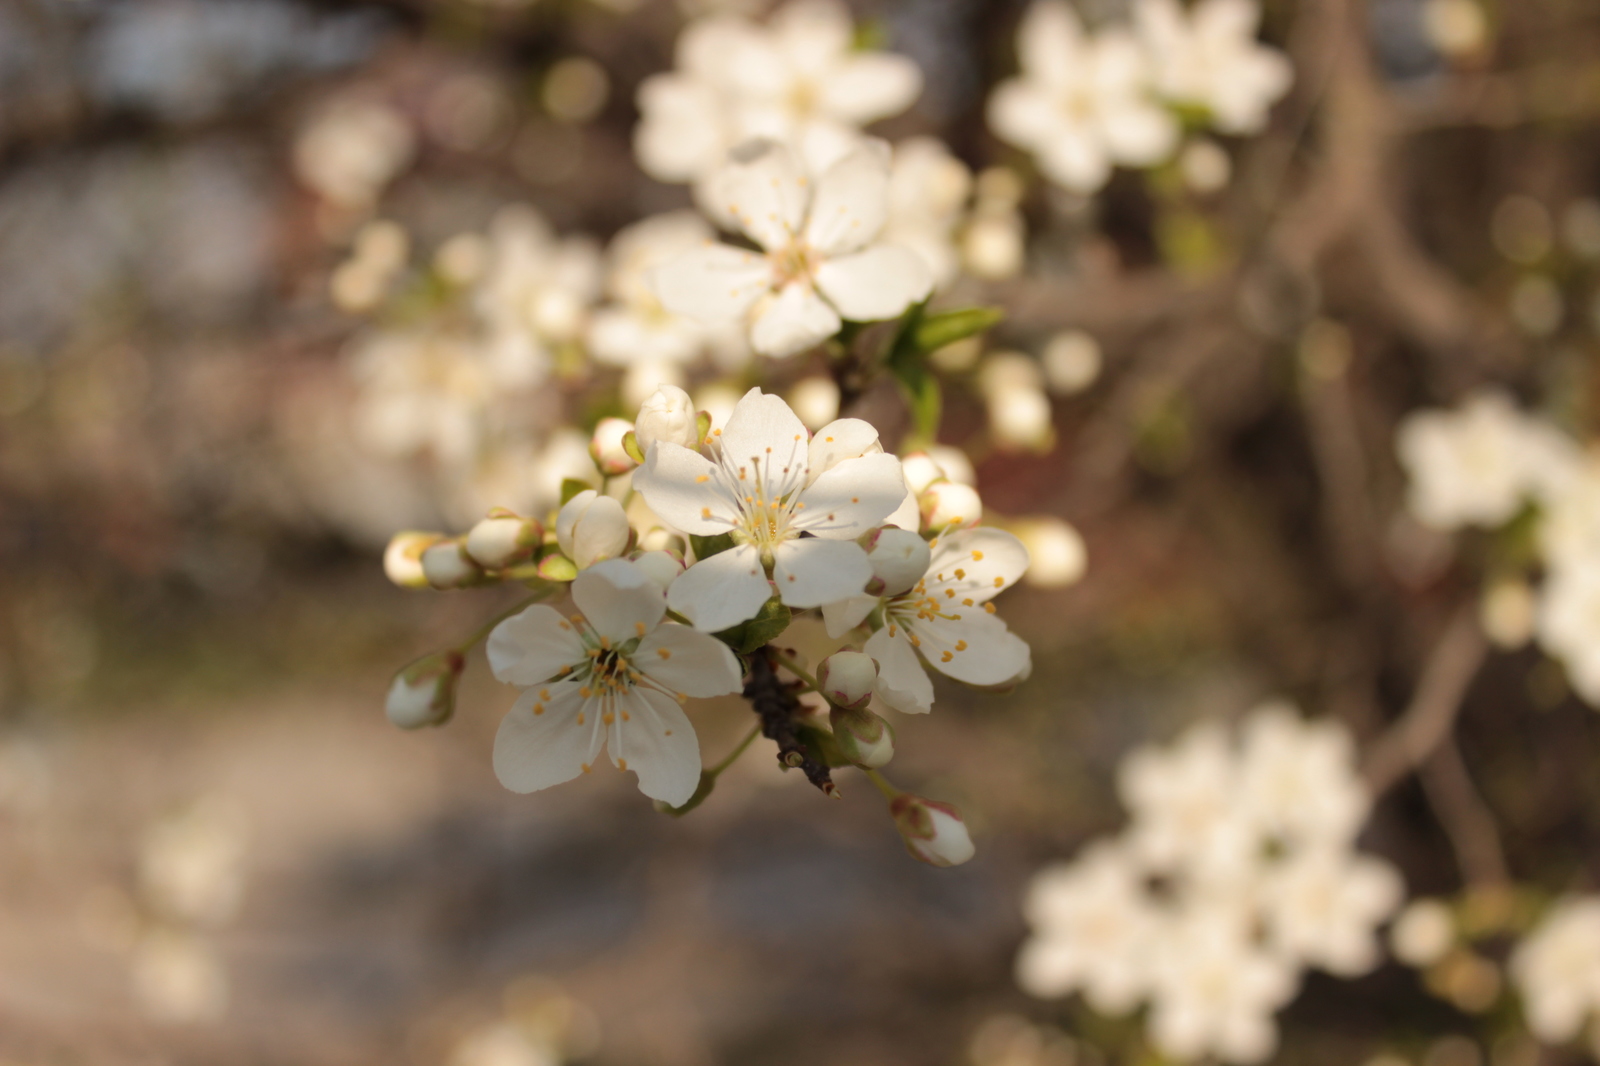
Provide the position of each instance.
(1557, 969)
(1237, 871)
(1083, 103)
(1488, 465)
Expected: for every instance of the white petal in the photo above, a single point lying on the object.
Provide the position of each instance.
(765, 190)
(618, 598)
(851, 202)
(567, 520)
(841, 616)
(682, 130)
(532, 647)
(844, 438)
(870, 85)
(980, 650)
(875, 283)
(975, 564)
(810, 572)
(1019, 112)
(908, 515)
(1139, 135)
(721, 591)
(813, 34)
(685, 490)
(1076, 159)
(601, 532)
(1050, 42)
(695, 663)
(852, 498)
(541, 743)
(651, 736)
(714, 283)
(764, 429)
(902, 683)
(792, 321)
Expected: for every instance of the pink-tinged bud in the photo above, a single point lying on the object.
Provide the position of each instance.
(669, 416)
(847, 678)
(662, 567)
(933, 831)
(504, 539)
(592, 527)
(899, 559)
(424, 693)
(863, 737)
(447, 565)
(402, 559)
(946, 503)
(607, 449)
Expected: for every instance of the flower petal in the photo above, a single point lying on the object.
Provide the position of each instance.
(902, 682)
(713, 283)
(765, 190)
(791, 321)
(974, 646)
(764, 430)
(1050, 43)
(652, 737)
(1020, 113)
(619, 599)
(722, 591)
(688, 661)
(532, 647)
(686, 491)
(1074, 157)
(844, 438)
(878, 282)
(542, 743)
(811, 572)
(975, 564)
(868, 86)
(841, 616)
(851, 498)
(852, 201)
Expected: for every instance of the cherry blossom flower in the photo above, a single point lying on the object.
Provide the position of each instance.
(536, 292)
(1568, 623)
(1323, 906)
(785, 517)
(947, 617)
(821, 260)
(633, 327)
(1081, 103)
(1557, 969)
(798, 80)
(613, 675)
(928, 193)
(1209, 57)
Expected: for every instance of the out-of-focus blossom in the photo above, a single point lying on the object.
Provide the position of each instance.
(1082, 103)
(535, 294)
(1019, 411)
(1205, 166)
(351, 149)
(797, 80)
(1557, 969)
(1423, 933)
(1071, 361)
(1508, 612)
(993, 243)
(928, 193)
(1455, 27)
(1057, 556)
(1209, 57)
(633, 327)
(815, 400)
(822, 258)
(612, 676)
(1568, 624)
(575, 89)
(191, 864)
(178, 977)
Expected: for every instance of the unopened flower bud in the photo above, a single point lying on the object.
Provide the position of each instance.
(933, 831)
(1019, 418)
(504, 539)
(863, 737)
(921, 471)
(447, 565)
(592, 527)
(607, 448)
(1056, 555)
(899, 559)
(424, 693)
(402, 559)
(662, 567)
(669, 416)
(946, 503)
(847, 678)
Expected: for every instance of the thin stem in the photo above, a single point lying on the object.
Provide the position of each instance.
(877, 778)
(488, 627)
(789, 664)
(733, 755)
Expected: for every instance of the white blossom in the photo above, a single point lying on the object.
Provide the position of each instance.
(1423, 933)
(613, 675)
(668, 415)
(591, 528)
(1209, 57)
(928, 193)
(1568, 623)
(1081, 103)
(1557, 969)
(821, 261)
(790, 509)
(633, 327)
(535, 294)
(1324, 905)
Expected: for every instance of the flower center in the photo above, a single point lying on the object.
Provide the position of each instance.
(796, 261)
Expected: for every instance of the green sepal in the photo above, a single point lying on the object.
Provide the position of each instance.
(821, 746)
(630, 444)
(553, 566)
(570, 487)
(768, 624)
(706, 547)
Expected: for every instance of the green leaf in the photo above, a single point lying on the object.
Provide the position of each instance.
(932, 332)
(767, 625)
(570, 487)
(706, 547)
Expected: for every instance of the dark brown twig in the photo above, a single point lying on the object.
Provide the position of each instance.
(776, 704)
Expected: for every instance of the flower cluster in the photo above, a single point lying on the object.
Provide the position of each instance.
(1489, 465)
(1237, 871)
(1557, 969)
(1083, 103)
